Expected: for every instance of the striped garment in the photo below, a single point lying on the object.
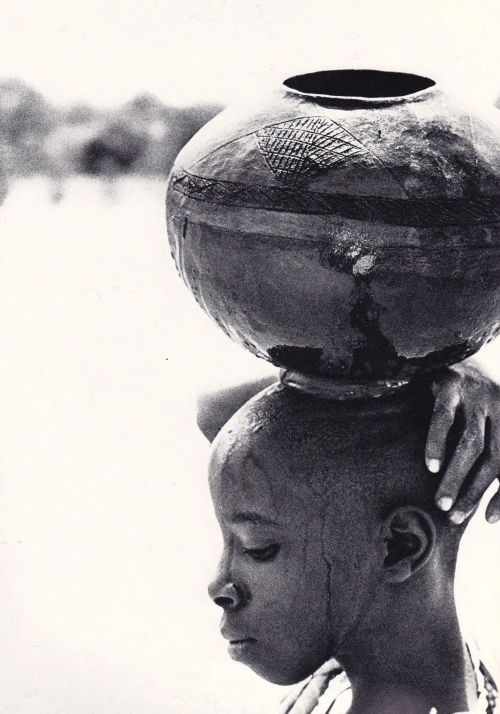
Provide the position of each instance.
(328, 691)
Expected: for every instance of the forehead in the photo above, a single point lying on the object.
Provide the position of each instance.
(249, 476)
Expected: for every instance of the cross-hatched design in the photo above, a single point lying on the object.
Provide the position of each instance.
(480, 210)
(300, 149)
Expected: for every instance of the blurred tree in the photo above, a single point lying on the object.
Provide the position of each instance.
(143, 136)
(114, 150)
(26, 119)
(80, 114)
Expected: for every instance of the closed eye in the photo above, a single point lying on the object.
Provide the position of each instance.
(263, 554)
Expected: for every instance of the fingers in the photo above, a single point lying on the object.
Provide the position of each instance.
(442, 420)
(464, 392)
(493, 509)
(466, 454)
(469, 500)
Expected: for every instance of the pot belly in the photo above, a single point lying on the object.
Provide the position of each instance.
(351, 301)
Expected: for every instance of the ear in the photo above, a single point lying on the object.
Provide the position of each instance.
(409, 537)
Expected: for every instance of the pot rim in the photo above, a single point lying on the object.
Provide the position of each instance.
(429, 87)
(331, 387)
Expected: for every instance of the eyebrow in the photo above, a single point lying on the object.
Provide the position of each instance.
(253, 517)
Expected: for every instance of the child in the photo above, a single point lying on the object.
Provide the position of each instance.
(334, 547)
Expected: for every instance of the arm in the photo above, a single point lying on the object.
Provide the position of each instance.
(215, 408)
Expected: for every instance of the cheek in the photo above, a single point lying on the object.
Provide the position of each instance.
(333, 578)
(288, 588)
(351, 575)
(292, 593)
(293, 616)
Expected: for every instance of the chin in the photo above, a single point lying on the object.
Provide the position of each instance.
(284, 675)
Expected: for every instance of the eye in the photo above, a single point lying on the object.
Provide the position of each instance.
(263, 554)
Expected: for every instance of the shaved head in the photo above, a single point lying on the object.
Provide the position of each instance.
(367, 453)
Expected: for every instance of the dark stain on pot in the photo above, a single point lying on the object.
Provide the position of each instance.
(304, 359)
(341, 260)
(376, 356)
(448, 355)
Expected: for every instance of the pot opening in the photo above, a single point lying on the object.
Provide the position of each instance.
(358, 83)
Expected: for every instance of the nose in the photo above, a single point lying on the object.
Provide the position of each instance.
(226, 594)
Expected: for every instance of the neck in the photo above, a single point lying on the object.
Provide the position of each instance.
(410, 657)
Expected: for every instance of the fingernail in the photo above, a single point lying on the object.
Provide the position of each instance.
(434, 465)
(493, 517)
(445, 503)
(457, 517)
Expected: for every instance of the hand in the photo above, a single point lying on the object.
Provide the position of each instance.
(464, 390)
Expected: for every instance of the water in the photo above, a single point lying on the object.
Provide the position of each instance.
(107, 539)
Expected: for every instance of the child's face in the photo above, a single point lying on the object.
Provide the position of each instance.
(291, 583)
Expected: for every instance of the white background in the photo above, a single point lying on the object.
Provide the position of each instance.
(106, 50)
(106, 534)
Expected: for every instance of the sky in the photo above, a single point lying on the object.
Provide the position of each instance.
(105, 51)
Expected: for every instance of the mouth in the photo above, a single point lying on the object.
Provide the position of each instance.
(239, 648)
(242, 639)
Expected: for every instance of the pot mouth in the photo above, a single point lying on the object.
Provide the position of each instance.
(359, 85)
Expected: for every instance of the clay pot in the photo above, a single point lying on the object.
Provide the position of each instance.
(347, 225)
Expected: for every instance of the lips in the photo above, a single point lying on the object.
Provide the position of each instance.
(241, 649)
(235, 634)
(242, 640)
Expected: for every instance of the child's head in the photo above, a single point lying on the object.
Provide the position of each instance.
(327, 515)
